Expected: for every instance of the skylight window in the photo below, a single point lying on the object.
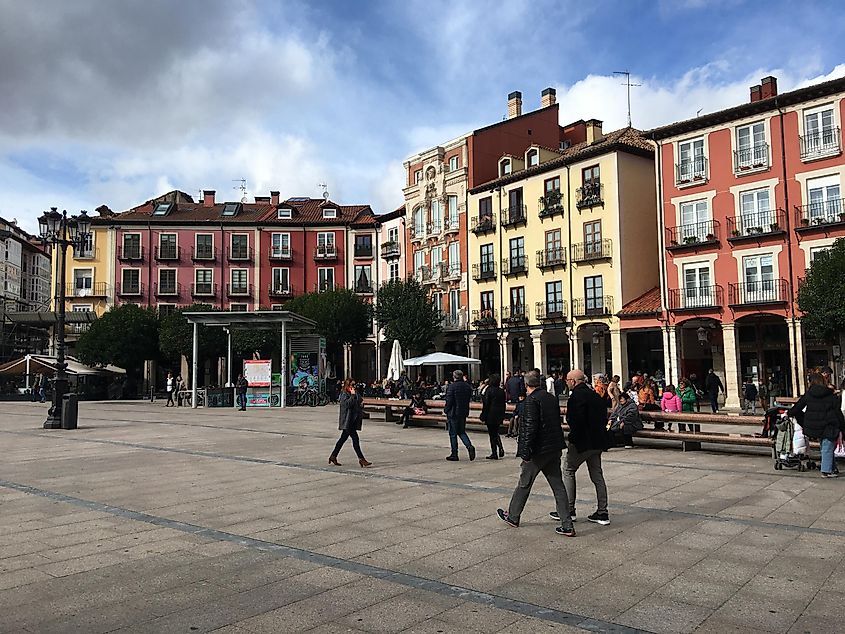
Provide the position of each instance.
(330, 212)
(284, 213)
(231, 209)
(162, 209)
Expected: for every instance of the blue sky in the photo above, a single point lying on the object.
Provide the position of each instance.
(116, 102)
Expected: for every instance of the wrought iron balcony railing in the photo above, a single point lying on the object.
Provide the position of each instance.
(390, 249)
(484, 271)
(238, 290)
(696, 297)
(203, 253)
(363, 250)
(484, 319)
(554, 310)
(820, 213)
(451, 224)
(551, 257)
(204, 289)
(515, 265)
(96, 289)
(751, 158)
(434, 228)
(691, 171)
(592, 306)
(454, 321)
(483, 224)
(280, 290)
(168, 253)
(588, 251)
(514, 215)
(692, 235)
(325, 252)
(760, 292)
(125, 290)
(365, 288)
(822, 143)
(450, 270)
(516, 314)
(756, 224)
(281, 253)
(551, 204)
(239, 254)
(130, 253)
(416, 233)
(167, 290)
(589, 195)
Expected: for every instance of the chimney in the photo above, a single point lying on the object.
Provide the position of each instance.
(514, 104)
(274, 198)
(593, 130)
(208, 198)
(548, 97)
(769, 87)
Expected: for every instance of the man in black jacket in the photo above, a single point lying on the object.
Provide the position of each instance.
(713, 385)
(586, 414)
(540, 446)
(458, 396)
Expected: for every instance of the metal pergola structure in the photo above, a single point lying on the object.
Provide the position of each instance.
(289, 323)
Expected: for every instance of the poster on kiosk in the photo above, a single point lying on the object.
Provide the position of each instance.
(258, 373)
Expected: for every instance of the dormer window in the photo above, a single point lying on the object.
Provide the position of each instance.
(162, 209)
(532, 157)
(284, 213)
(231, 209)
(505, 167)
(329, 212)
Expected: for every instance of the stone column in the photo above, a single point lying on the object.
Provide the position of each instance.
(796, 344)
(537, 345)
(472, 351)
(575, 349)
(619, 352)
(504, 354)
(732, 375)
(671, 355)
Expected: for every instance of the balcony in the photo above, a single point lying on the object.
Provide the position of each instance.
(363, 251)
(130, 254)
(592, 307)
(424, 275)
(485, 319)
(390, 249)
(283, 291)
(551, 258)
(363, 287)
(434, 228)
(751, 159)
(756, 225)
(238, 290)
(693, 172)
(416, 233)
(204, 289)
(97, 289)
(451, 224)
(761, 292)
(693, 235)
(129, 290)
(450, 271)
(484, 271)
(85, 254)
(514, 216)
(170, 253)
(696, 298)
(325, 252)
(516, 265)
(281, 253)
(514, 315)
(820, 215)
(592, 251)
(203, 254)
(326, 286)
(820, 144)
(76, 329)
(551, 205)
(551, 310)
(456, 321)
(167, 290)
(589, 195)
(239, 254)
(483, 224)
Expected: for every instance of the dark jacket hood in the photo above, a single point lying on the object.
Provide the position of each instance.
(818, 390)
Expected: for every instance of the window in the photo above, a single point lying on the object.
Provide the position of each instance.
(454, 259)
(238, 308)
(592, 238)
(515, 209)
(131, 282)
(455, 305)
(697, 289)
(280, 245)
(363, 279)
(695, 221)
(594, 294)
(83, 282)
(419, 260)
(590, 176)
(485, 209)
(756, 215)
(436, 216)
(751, 148)
(166, 309)
(131, 246)
(452, 219)
(759, 276)
(284, 213)
(281, 281)
(815, 251)
(419, 222)
(204, 282)
(329, 212)
(532, 158)
(231, 209)
(325, 244)
(325, 277)
(504, 167)
(437, 300)
(551, 185)
(162, 209)
(554, 246)
(167, 281)
(691, 161)
(517, 254)
(239, 246)
(239, 281)
(363, 245)
(487, 305)
(554, 298)
(417, 176)
(821, 137)
(825, 204)
(86, 250)
(487, 267)
(393, 234)
(167, 249)
(436, 259)
(204, 249)
(393, 270)
(518, 302)
(453, 163)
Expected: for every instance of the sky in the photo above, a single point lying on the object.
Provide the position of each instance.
(117, 101)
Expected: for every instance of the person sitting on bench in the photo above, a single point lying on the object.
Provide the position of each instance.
(625, 420)
(416, 406)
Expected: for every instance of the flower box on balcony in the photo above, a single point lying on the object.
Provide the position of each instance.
(805, 221)
(736, 233)
(690, 239)
(754, 230)
(710, 237)
(774, 227)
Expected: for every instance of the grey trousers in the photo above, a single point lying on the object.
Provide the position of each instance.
(593, 459)
(549, 465)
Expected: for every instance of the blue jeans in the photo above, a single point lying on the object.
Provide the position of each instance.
(453, 425)
(828, 461)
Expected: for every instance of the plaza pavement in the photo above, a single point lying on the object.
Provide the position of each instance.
(149, 519)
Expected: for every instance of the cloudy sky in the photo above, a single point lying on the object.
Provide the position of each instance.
(116, 101)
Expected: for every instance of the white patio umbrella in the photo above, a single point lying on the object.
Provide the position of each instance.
(441, 358)
(395, 366)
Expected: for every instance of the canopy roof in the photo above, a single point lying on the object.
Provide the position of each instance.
(264, 319)
(49, 317)
(441, 358)
(43, 363)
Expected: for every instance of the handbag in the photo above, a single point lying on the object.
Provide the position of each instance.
(839, 448)
(419, 411)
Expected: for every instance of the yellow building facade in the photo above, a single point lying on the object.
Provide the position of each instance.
(547, 243)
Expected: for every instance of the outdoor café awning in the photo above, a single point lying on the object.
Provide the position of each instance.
(41, 363)
(441, 358)
(48, 318)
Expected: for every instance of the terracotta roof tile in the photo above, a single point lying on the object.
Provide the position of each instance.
(646, 304)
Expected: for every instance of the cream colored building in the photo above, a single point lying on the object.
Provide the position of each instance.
(547, 243)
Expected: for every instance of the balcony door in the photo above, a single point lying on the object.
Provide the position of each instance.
(759, 278)
(554, 298)
(325, 277)
(756, 212)
(517, 253)
(818, 130)
(325, 242)
(751, 149)
(594, 294)
(690, 159)
(419, 221)
(281, 280)
(280, 245)
(454, 306)
(436, 216)
(695, 221)
(592, 238)
(454, 259)
(83, 282)
(697, 285)
(517, 302)
(487, 259)
(824, 200)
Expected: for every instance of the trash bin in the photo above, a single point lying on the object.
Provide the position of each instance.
(70, 411)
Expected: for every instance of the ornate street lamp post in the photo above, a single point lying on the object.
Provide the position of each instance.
(59, 230)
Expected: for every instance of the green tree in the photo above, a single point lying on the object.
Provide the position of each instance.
(342, 316)
(125, 336)
(406, 313)
(822, 295)
(176, 337)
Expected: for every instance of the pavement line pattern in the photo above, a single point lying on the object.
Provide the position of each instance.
(452, 485)
(412, 581)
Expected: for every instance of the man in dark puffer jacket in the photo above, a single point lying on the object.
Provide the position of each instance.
(540, 446)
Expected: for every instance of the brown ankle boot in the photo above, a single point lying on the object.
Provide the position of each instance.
(363, 462)
(333, 460)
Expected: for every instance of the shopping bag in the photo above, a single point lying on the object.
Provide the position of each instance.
(799, 441)
(839, 449)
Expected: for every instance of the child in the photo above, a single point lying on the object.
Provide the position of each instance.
(671, 402)
(689, 399)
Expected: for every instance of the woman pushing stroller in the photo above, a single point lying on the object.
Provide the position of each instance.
(819, 414)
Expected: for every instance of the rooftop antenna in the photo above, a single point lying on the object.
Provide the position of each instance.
(241, 187)
(627, 84)
(324, 187)
(698, 112)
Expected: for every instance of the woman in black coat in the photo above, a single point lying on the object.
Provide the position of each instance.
(351, 413)
(493, 415)
(818, 413)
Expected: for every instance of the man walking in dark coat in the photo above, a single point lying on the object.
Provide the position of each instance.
(241, 386)
(540, 446)
(713, 385)
(586, 414)
(458, 396)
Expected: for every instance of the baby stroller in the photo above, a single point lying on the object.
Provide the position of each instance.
(789, 445)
